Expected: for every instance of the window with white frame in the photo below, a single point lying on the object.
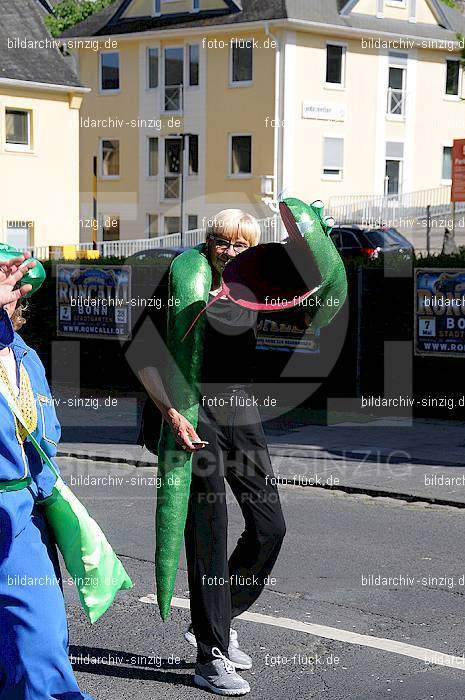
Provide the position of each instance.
(453, 77)
(152, 225)
(397, 85)
(110, 228)
(195, 5)
(109, 158)
(152, 61)
(109, 71)
(193, 154)
(194, 54)
(335, 64)
(173, 78)
(192, 222)
(18, 129)
(20, 234)
(333, 158)
(157, 7)
(153, 156)
(394, 167)
(240, 155)
(241, 61)
(173, 161)
(172, 225)
(447, 163)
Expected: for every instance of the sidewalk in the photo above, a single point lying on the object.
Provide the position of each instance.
(424, 461)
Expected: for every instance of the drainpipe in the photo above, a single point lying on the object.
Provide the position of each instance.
(278, 132)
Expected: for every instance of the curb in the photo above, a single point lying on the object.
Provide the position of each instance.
(106, 458)
(362, 490)
(377, 493)
(275, 451)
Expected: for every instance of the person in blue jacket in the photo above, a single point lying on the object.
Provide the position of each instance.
(34, 663)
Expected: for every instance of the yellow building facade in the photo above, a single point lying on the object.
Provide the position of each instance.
(199, 106)
(40, 98)
(39, 167)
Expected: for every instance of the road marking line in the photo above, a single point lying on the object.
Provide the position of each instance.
(426, 655)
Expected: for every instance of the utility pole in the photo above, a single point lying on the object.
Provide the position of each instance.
(94, 205)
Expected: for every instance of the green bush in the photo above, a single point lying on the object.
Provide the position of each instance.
(440, 260)
(69, 12)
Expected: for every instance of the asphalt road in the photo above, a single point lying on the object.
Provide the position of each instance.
(335, 542)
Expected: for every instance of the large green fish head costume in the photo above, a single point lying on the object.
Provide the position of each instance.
(35, 276)
(305, 222)
(268, 277)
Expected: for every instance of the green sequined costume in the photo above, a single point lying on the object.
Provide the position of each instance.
(190, 283)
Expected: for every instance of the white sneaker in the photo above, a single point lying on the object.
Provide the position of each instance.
(219, 676)
(238, 658)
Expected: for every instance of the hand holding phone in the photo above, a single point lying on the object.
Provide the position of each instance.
(200, 444)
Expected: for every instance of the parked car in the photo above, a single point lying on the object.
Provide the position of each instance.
(354, 241)
(164, 256)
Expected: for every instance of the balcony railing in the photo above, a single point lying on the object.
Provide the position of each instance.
(173, 101)
(396, 102)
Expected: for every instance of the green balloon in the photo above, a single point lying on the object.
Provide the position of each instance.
(34, 277)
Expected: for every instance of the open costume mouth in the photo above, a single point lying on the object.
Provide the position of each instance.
(271, 271)
(280, 276)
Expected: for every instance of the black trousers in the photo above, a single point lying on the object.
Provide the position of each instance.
(222, 589)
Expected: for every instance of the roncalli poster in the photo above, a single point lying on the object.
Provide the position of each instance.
(94, 301)
(440, 312)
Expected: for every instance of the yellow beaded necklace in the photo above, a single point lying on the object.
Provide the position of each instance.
(25, 402)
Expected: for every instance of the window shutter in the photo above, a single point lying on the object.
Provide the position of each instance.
(394, 149)
(398, 59)
(333, 154)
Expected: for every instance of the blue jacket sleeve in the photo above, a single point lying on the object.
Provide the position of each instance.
(48, 431)
(7, 333)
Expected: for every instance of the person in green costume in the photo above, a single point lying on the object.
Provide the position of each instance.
(212, 429)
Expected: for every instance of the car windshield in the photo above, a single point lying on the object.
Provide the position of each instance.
(381, 238)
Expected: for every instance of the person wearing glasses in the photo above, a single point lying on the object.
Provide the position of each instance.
(229, 445)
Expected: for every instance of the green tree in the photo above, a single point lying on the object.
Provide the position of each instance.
(70, 12)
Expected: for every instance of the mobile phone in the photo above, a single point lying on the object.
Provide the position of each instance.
(200, 443)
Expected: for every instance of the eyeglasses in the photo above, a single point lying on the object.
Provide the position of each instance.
(221, 244)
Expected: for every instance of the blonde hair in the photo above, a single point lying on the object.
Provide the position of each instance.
(232, 223)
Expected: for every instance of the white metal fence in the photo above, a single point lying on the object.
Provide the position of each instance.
(270, 232)
(399, 210)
